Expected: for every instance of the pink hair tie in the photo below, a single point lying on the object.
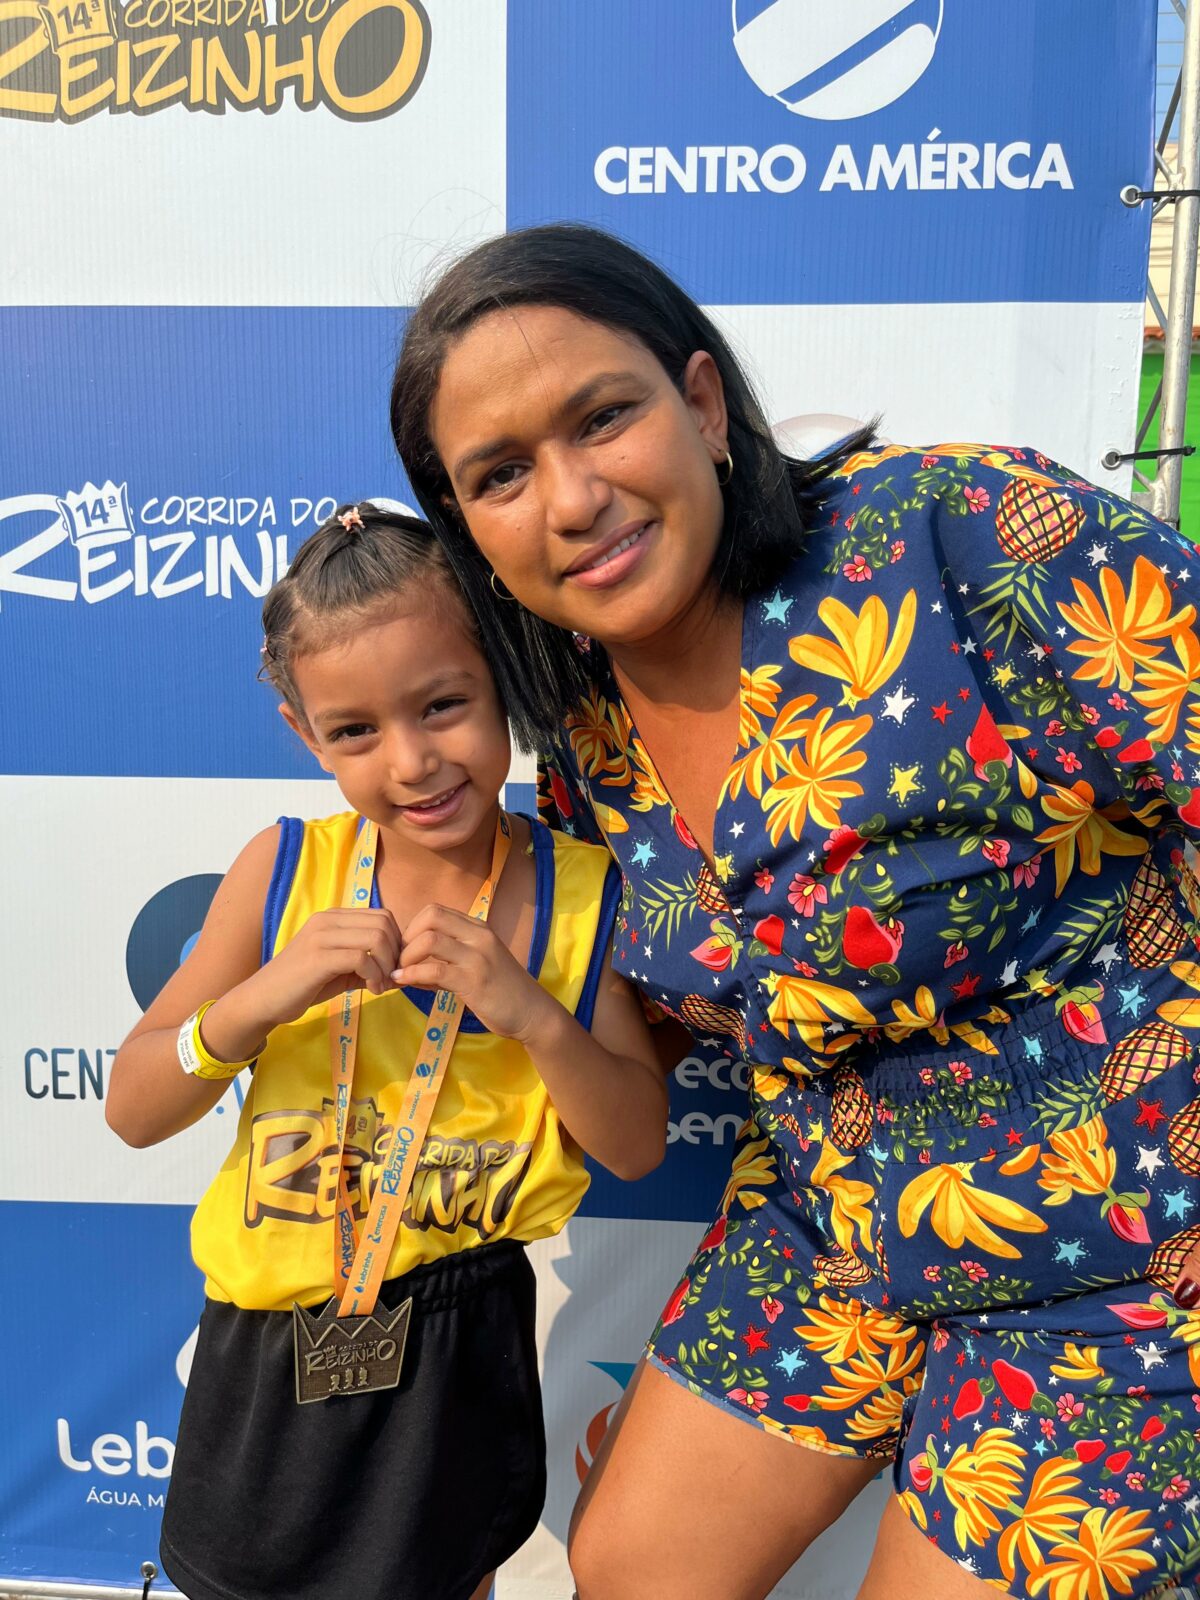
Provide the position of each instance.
(350, 519)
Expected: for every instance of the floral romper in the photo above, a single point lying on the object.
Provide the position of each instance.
(951, 922)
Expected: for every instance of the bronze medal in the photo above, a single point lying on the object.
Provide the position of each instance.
(348, 1355)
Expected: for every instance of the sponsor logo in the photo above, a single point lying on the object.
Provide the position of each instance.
(585, 1451)
(217, 546)
(835, 62)
(360, 59)
(723, 1073)
(164, 931)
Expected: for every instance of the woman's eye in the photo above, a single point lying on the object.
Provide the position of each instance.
(604, 418)
(500, 478)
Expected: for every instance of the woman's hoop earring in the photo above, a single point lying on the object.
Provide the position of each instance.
(501, 593)
(728, 470)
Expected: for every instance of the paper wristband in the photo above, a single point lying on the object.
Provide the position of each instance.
(195, 1059)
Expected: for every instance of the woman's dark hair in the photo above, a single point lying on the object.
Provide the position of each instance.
(356, 563)
(768, 499)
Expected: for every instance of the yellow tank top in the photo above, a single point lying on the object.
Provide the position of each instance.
(496, 1164)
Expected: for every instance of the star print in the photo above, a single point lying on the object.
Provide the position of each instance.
(790, 1362)
(776, 608)
(1040, 1446)
(1032, 920)
(1150, 1356)
(644, 853)
(755, 1339)
(936, 607)
(1183, 574)
(942, 712)
(1178, 1205)
(964, 588)
(1009, 975)
(1098, 553)
(875, 1153)
(1070, 1250)
(1132, 999)
(969, 647)
(711, 1044)
(1034, 1050)
(1192, 1504)
(1150, 1114)
(905, 781)
(897, 704)
(1106, 956)
(738, 829)
(1004, 675)
(1149, 1160)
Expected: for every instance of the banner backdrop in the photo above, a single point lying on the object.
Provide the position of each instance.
(217, 215)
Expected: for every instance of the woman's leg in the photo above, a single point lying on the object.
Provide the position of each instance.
(905, 1562)
(686, 1501)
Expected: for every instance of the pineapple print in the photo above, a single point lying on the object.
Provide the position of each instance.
(852, 1113)
(1153, 930)
(709, 895)
(705, 1016)
(1183, 1138)
(1169, 1256)
(1141, 1056)
(1034, 523)
(841, 1271)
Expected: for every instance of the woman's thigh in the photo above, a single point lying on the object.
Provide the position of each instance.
(686, 1501)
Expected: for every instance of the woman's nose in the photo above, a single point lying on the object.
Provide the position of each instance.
(574, 492)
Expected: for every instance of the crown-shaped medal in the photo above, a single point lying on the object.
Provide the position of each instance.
(348, 1355)
(97, 511)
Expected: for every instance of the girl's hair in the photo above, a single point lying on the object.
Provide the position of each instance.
(358, 562)
(768, 500)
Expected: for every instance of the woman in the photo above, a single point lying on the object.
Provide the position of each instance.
(890, 749)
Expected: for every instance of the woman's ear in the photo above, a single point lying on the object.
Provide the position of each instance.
(704, 396)
(303, 732)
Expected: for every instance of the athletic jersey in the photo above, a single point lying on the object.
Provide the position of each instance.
(496, 1162)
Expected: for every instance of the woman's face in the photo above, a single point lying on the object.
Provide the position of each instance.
(587, 479)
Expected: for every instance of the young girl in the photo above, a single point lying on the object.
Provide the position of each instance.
(390, 1444)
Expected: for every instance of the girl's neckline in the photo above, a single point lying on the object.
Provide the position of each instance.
(543, 902)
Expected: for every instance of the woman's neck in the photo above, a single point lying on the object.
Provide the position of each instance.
(694, 664)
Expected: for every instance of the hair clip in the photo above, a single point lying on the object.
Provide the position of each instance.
(350, 519)
(264, 650)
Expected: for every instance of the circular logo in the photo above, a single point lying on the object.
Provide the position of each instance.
(833, 62)
(163, 932)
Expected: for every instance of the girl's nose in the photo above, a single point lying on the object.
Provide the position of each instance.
(574, 491)
(410, 757)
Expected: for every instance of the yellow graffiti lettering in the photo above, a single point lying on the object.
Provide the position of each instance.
(404, 78)
(77, 62)
(144, 97)
(24, 102)
(302, 1134)
(276, 72)
(219, 67)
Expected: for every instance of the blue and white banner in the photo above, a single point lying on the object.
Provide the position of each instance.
(218, 214)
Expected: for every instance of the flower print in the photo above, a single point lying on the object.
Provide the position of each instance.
(1025, 872)
(933, 1274)
(956, 952)
(1109, 1496)
(978, 499)
(805, 969)
(941, 1337)
(926, 1075)
(996, 851)
(1078, 1361)
(1135, 1481)
(806, 893)
(865, 650)
(765, 879)
(1054, 729)
(1068, 761)
(924, 1158)
(960, 1212)
(1080, 1162)
(1177, 1488)
(1090, 715)
(759, 693)
(842, 845)
(753, 1399)
(858, 570)
(1077, 825)
(929, 461)
(674, 1306)
(897, 550)
(1067, 1406)
(1048, 1428)
(1118, 700)
(1048, 1513)
(850, 1198)
(771, 1308)
(753, 1170)
(818, 781)
(1101, 1559)
(975, 1270)
(986, 1119)
(961, 1072)
(1116, 629)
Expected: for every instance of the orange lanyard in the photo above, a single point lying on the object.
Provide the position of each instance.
(359, 1263)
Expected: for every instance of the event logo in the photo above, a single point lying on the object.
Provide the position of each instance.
(585, 1453)
(361, 59)
(164, 931)
(834, 62)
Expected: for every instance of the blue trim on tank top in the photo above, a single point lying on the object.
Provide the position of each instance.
(283, 875)
(610, 899)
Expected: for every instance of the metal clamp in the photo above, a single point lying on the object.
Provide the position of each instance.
(1111, 459)
(1133, 197)
(149, 1573)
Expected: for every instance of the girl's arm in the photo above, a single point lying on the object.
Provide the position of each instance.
(150, 1096)
(607, 1085)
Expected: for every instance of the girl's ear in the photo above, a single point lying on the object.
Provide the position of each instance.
(303, 732)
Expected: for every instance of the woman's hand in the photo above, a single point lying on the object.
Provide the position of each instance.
(445, 949)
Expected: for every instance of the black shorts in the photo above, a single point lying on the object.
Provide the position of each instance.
(412, 1493)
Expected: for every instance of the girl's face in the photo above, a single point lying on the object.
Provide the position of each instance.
(585, 476)
(406, 717)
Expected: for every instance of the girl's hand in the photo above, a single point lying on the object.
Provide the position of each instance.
(334, 951)
(445, 949)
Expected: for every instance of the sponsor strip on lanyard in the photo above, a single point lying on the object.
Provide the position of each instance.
(359, 1262)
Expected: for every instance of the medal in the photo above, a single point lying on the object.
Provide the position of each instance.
(349, 1347)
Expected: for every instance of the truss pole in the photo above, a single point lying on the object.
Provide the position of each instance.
(1177, 330)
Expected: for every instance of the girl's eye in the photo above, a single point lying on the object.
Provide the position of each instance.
(438, 707)
(352, 730)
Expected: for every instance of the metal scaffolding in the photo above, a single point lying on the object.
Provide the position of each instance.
(1176, 186)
